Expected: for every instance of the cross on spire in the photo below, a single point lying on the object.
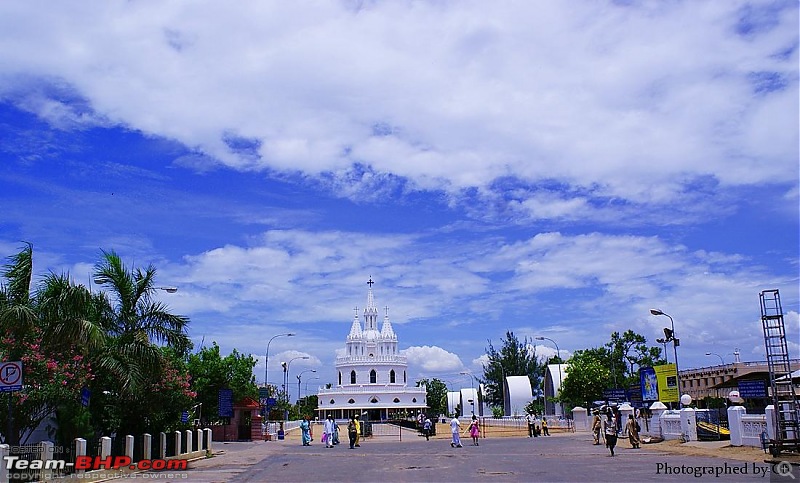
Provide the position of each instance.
(370, 282)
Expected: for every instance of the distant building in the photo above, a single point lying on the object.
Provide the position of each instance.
(372, 377)
(717, 381)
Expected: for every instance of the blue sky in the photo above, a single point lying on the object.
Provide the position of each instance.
(554, 169)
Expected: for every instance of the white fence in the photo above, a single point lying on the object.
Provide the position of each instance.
(745, 429)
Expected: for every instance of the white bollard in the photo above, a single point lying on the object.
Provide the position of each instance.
(147, 446)
(46, 454)
(162, 445)
(209, 438)
(199, 435)
(177, 443)
(188, 440)
(80, 450)
(105, 447)
(129, 446)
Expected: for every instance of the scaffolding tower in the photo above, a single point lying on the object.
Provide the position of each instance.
(787, 429)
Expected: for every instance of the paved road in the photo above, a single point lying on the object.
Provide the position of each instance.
(561, 458)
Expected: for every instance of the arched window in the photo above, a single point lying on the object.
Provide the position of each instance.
(373, 377)
(340, 378)
(404, 378)
(352, 401)
(396, 400)
(333, 402)
(414, 400)
(374, 400)
(391, 377)
(352, 377)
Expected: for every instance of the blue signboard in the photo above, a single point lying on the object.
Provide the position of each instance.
(185, 417)
(752, 388)
(225, 403)
(86, 394)
(616, 394)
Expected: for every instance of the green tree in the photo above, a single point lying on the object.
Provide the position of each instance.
(133, 361)
(514, 358)
(54, 367)
(211, 372)
(588, 374)
(436, 395)
(627, 353)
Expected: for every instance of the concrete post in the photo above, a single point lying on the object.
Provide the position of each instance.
(579, 417)
(5, 450)
(208, 439)
(657, 409)
(769, 412)
(689, 424)
(46, 454)
(625, 410)
(200, 442)
(162, 445)
(80, 450)
(147, 446)
(188, 440)
(735, 414)
(105, 447)
(129, 440)
(177, 443)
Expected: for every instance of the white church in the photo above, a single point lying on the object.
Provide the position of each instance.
(372, 377)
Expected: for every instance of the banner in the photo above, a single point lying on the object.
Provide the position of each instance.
(649, 384)
(667, 377)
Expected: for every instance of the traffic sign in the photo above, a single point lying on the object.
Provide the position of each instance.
(10, 376)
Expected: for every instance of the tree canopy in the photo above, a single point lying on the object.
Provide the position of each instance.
(515, 358)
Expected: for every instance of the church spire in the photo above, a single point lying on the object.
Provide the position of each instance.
(371, 312)
(386, 331)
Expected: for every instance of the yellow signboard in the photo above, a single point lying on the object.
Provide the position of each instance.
(667, 376)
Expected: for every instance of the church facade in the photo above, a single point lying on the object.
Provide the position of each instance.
(372, 376)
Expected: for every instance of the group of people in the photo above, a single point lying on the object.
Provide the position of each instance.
(330, 432)
(609, 429)
(474, 430)
(534, 430)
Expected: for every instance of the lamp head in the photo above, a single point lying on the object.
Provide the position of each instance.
(661, 341)
(656, 312)
(708, 353)
(539, 338)
(170, 289)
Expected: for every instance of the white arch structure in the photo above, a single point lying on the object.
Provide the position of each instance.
(518, 394)
(553, 377)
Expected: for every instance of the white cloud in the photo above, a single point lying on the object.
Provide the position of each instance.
(432, 359)
(633, 102)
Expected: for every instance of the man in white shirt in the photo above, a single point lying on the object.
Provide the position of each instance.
(455, 428)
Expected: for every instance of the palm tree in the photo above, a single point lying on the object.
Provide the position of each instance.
(138, 328)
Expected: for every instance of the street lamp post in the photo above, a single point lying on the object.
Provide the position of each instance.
(558, 353)
(266, 361)
(721, 360)
(286, 374)
(670, 336)
(298, 380)
(474, 394)
(664, 343)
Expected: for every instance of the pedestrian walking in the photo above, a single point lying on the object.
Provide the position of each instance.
(633, 428)
(426, 428)
(358, 431)
(597, 426)
(611, 432)
(474, 430)
(455, 428)
(352, 432)
(545, 432)
(327, 434)
(305, 430)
